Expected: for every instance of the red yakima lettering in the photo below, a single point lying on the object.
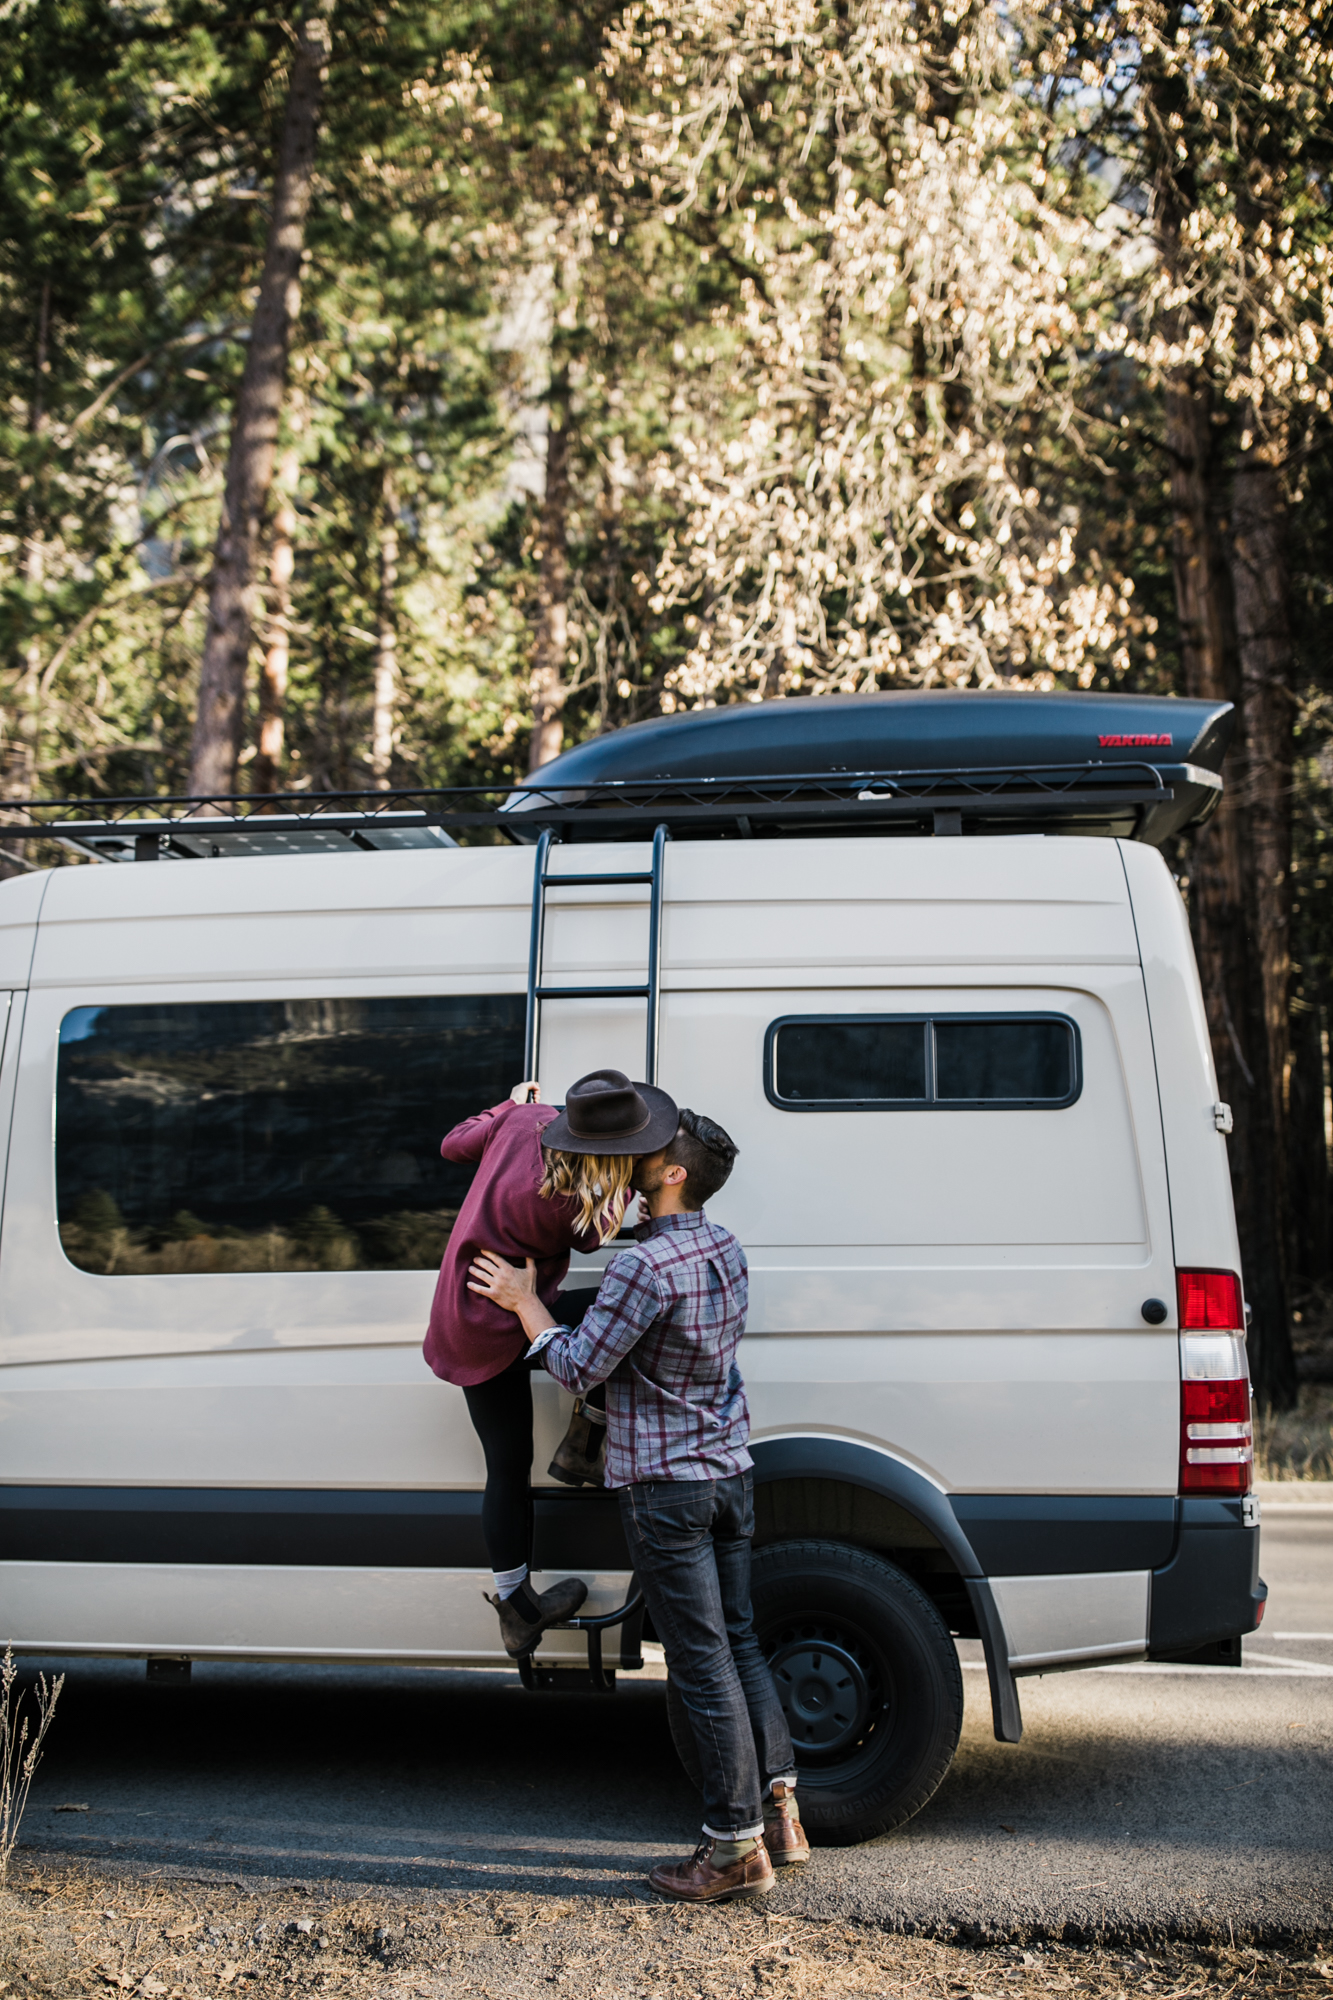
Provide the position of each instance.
(1134, 742)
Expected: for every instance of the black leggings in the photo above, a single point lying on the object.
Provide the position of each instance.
(501, 1413)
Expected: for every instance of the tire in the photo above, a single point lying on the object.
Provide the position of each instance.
(869, 1680)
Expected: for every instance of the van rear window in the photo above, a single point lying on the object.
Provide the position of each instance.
(941, 1062)
(295, 1135)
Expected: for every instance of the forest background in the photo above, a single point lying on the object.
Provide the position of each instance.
(395, 393)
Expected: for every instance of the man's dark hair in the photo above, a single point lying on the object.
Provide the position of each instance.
(707, 1155)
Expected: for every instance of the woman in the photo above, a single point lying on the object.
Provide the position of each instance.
(546, 1183)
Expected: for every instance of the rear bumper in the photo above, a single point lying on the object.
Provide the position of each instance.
(1078, 1581)
(1210, 1594)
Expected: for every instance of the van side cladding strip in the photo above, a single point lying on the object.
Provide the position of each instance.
(1038, 1534)
(307, 1528)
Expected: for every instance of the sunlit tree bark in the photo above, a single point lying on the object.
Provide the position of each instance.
(386, 643)
(267, 776)
(551, 645)
(1263, 636)
(221, 708)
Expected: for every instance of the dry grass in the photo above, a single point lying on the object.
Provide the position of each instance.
(1297, 1444)
(67, 1931)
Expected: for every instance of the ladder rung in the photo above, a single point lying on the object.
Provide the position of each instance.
(592, 993)
(581, 881)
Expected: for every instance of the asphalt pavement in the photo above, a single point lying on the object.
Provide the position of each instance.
(1143, 1801)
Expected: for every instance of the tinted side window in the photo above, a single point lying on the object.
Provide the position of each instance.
(298, 1135)
(864, 1062)
(818, 1060)
(989, 1061)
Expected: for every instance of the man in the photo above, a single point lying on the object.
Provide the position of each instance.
(663, 1337)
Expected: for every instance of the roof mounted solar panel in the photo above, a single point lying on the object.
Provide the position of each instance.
(1139, 767)
(180, 836)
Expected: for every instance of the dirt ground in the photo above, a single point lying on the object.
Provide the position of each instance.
(67, 1931)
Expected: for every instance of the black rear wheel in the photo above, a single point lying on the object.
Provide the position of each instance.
(869, 1681)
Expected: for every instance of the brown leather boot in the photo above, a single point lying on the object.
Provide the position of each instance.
(698, 1881)
(784, 1836)
(580, 1455)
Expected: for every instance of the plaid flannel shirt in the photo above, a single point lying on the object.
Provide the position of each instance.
(663, 1337)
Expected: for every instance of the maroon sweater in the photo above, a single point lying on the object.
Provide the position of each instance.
(470, 1338)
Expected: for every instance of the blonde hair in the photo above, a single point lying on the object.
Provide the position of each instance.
(598, 1184)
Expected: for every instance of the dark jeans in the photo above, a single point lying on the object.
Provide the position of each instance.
(501, 1413)
(689, 1541)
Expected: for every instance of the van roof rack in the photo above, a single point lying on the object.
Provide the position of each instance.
(1136, 802)
(757, 770)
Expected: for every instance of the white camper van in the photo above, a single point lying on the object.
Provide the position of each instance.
(923, 959)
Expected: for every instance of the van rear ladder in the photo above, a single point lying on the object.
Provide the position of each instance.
(595, 1678)
(542, 879)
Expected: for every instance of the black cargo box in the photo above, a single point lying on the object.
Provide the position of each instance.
(943, 761)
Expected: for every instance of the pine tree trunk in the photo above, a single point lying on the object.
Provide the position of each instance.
(1220, 882)
(1263, 639)
(1307, 1150)
(1263, 636)
(278, 636)
(386, 649)
(221, 712)
(22, 746)
(547, 684)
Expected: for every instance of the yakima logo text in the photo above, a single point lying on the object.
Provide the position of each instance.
(1134, 742)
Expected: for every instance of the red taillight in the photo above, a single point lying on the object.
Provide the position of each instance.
(1216, 1437)
(1210, 1302)
(1216, 1432)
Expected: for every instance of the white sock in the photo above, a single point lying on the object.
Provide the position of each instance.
(507, 1581)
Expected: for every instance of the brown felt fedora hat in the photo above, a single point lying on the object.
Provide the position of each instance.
(606, 1113)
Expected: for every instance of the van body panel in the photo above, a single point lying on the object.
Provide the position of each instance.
(985, 1413)
(21, 901)
(310, 918)
(1202, 1215)
(272, 1612)
(1053, 1620)
(986, 901)
(932, 1178)
(340, 1416)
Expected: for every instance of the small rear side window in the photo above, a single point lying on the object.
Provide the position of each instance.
(922, 1062)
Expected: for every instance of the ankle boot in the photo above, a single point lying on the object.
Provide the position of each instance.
(580, 1455)
(784, 1836)
(519, 1631)
(701, 1879)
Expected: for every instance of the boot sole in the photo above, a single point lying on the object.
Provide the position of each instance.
(737, 1895)
(554, 1626)
(554, 1471)
(571, 1479)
